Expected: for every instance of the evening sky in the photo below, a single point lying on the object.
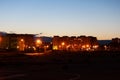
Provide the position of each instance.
(100, 18)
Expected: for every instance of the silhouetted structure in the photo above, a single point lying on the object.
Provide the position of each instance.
(28, 42)
(81, 43)
(19, 42)
(24, 42)
(115, 44)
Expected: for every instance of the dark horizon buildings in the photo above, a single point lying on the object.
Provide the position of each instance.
(16, 41)
(29, 42)
(73, 43)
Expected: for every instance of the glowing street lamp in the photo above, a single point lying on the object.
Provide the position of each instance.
(21, 45)
(22, 40)
(87, 45)
(62, 43)
(38, 42)
(95, 46)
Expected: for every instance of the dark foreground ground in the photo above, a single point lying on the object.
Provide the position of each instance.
(60, 66)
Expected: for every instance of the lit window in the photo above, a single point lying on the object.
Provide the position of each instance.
(55, 48)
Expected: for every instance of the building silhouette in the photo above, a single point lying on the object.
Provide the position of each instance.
(114, 45)
(73, 43)
(14, 42)
(29, 42)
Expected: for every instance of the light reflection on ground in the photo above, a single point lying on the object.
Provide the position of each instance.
(33, 54)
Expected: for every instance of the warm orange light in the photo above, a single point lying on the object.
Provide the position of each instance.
(21, 45)
(22, 40)
(83, 46)
(34, 48)
(47, 46)
(87, 46)
(62, 43)
(95, 46)
(38, 41)
(55, 47)
(59, 46)
(67, 46)
(0, 38)
(18, 47)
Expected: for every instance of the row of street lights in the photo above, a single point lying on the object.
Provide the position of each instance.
(21, 44)
(64, 46)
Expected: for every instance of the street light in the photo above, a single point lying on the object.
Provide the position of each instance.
(38, 42)
(95, 46)
(87, 45)
(62, 43)
(21, 44)
(22, 40)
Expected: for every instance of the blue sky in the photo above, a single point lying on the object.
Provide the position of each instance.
(100, 18)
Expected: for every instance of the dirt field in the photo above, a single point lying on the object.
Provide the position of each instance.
(61, 66)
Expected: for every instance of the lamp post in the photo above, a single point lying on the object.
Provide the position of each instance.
(63, 44)
(21, 45)
(38, 43)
